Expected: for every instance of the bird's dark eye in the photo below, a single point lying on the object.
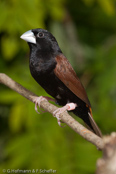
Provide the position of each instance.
(40, 34)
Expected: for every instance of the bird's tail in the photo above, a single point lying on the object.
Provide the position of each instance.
(86, 116)
(92, 125)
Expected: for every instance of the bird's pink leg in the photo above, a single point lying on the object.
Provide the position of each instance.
(38, 100)
(67, 107)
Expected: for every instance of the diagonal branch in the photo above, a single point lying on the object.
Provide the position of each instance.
(65, 117)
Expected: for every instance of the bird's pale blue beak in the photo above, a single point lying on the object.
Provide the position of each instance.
(29, 37)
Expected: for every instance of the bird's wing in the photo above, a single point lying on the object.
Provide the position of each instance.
(67, 75)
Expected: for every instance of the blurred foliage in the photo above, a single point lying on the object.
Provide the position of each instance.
(86, 33)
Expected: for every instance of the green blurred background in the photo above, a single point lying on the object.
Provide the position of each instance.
(86, 33)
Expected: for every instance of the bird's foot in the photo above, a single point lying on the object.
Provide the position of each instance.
(38, 100)
(67, 107)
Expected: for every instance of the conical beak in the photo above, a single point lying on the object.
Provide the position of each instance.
(29, 37)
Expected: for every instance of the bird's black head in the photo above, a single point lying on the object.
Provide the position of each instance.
(42, 40)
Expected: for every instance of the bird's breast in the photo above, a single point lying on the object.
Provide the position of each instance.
(42, 66)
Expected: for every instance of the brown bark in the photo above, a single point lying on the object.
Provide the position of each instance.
(107, 164)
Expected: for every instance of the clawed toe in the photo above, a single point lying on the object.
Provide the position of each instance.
(37, 102)
(57, 113)
(67, 107)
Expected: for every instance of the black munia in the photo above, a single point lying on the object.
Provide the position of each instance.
(51, 69)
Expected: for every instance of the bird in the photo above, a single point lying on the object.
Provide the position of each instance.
(53, 72)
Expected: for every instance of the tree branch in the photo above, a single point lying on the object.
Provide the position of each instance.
(65, 117)
(107, 164)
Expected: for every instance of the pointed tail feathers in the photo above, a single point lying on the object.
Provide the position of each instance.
(94, 126)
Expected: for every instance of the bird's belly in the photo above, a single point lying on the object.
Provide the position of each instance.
(56, 88)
